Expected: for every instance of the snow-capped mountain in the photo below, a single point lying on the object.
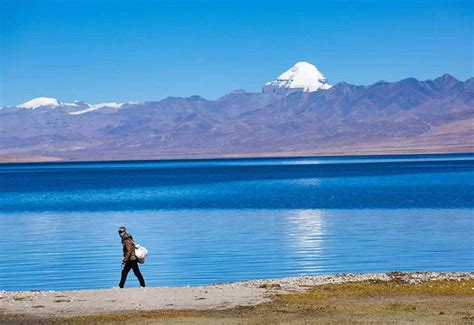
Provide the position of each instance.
(409, 115)
(94, 107)
(40, 101)
(303, 76)
(76, 107)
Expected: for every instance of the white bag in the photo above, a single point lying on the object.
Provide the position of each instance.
(141, 253)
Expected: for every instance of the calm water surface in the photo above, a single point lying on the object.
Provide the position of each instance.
(226, 220)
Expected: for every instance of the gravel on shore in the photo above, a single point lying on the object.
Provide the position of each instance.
(217, 296)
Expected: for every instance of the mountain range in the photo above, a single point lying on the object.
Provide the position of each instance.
(299, 113)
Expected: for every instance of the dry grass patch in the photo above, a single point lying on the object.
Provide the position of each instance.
(363, 302)
(443, 302)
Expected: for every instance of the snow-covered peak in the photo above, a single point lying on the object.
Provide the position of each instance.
(74, 108)
(101, 105)
(110, 105)
(302, 76)
(40, 101)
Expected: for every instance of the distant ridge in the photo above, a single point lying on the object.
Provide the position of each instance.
(405, 116)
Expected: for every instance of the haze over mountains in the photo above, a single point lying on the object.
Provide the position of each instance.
(298, 113)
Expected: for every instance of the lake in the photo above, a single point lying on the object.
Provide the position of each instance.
(208, 221)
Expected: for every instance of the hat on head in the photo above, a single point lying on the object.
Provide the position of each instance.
(122, 229)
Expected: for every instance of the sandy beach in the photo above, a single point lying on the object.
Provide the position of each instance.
(37, 306)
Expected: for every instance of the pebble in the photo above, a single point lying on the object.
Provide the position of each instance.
(408, 277)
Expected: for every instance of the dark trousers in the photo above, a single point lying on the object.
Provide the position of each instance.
(134, 266)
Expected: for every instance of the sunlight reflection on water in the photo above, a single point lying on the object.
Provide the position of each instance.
(194, 247)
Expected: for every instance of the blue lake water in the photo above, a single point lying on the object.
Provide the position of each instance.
(211, 221)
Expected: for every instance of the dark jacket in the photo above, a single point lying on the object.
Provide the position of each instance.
(128, 248)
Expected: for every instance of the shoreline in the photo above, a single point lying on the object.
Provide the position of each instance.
(83, 303)
(453, 150)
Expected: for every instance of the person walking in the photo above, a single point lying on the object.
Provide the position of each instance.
(130, 261)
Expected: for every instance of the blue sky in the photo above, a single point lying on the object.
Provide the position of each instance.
(147, 50)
